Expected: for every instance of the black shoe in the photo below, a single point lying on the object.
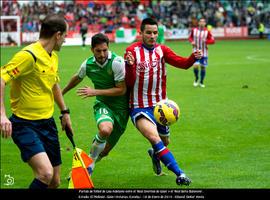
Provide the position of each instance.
(156, 163)
(183, 180)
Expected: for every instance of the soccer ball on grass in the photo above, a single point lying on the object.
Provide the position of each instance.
(166, 112)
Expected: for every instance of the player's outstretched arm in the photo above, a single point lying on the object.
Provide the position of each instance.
(176, 60)
(74, 81)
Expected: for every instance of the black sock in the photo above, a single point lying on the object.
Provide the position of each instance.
(196, 73)
(203, 72)
(37, 184)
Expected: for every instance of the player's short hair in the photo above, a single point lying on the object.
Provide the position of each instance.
(99, 38)
(148, 21)
(52, 24)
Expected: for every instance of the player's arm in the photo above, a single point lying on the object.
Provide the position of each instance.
(118, 90)
(178, 61)
(130, 67)
(58, 97)
(5, 124)
(210, 39)
(76, 79)
(21, 64)
(190, 38)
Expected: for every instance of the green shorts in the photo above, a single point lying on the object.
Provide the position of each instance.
(118, 118)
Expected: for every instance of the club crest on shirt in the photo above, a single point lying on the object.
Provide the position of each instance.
(146, 65)
(143, 66)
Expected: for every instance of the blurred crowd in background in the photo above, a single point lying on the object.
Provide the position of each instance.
(108, 15)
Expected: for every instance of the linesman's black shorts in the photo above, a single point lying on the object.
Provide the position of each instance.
(35, 136)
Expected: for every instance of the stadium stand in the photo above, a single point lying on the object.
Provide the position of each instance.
(109, 15)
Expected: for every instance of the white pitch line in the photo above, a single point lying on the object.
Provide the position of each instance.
(255, 57)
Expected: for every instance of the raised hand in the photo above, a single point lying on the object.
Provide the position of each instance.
(130, 58)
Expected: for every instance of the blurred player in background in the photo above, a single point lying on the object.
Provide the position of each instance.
(146, 80)
(200, 37)
(83, 31)
(161, 33)
(107, 72)
(33, 75)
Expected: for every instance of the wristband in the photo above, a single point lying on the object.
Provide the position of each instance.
(66, 111)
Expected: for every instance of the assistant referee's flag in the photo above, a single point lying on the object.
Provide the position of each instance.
(79, 178)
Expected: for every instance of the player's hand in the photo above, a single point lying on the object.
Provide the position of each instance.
(198, 54)
(5, 126)
(130, 58)
(66, 122)
(86, 91)
(193, 44)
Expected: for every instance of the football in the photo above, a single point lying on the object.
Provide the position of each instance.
(166, 112)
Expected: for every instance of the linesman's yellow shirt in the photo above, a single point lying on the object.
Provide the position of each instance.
(31, 95)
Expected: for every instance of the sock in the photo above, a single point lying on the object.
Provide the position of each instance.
(37, 184)
(196, 73)
(97, 147)
(203, 72)
(167, 158)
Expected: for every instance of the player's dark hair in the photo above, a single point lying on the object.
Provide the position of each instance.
(52, 24)
(148, 21)
(99, 38)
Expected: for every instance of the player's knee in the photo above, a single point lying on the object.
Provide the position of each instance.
(105, 131)
(46, 175)
(153, 138)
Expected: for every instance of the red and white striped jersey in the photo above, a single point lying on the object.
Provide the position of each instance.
(201, 37)
(146, 78)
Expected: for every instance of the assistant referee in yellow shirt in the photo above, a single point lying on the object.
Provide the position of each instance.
(34, 86)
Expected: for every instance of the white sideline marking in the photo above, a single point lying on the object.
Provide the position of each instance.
(255, 57)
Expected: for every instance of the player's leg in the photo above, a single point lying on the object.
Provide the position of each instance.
(52, 147)
(56, 177)
(145, 124)
(164, 133)
(196, 73)
(119, 127)
(149, 131)
(203, 64)
(25, 135)
(104, 131)
(42, 169)
(105, 121)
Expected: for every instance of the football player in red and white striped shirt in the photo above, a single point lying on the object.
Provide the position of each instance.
(146, 80)
(200, 37)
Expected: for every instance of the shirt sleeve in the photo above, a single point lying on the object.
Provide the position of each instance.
(190, 38)
(118, 67)
(177, 61)
(21, 64)
(210, 39)
(82, 71)
(130, 69)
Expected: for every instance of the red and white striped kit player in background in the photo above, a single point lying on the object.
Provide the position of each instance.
(146, 82)
(200, 37)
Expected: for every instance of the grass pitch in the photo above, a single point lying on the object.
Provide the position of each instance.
(221, 139)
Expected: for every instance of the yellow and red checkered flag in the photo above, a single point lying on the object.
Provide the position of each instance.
(80, 177)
